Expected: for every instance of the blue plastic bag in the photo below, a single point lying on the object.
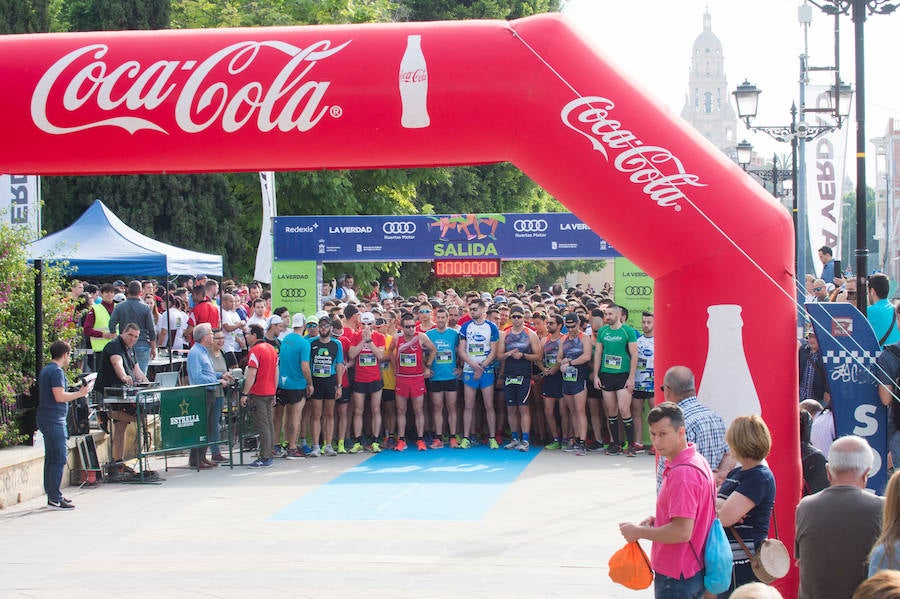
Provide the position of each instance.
(718, 557)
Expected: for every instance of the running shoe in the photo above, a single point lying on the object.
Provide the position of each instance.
(454, 443)
(493, 443)
(639, 447)
(341, 448)
(391, 443)
(580, 449)
(554, 445)
(329, 451)
(514, 444)
(357, 447)
(613, 449)
(569, 446)
(401, 445)
(279, 452)
(294, 453)
(305, 448)
(524, 446)
(61, 504)
(437, 443)
(261, 463)
(420, 445)
(631, 453)
(465, 443)
(593, 446)
(376, 447)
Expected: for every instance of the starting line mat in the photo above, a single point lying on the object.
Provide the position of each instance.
(434, 485)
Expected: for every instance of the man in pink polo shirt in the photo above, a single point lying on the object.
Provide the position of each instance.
(685, 508)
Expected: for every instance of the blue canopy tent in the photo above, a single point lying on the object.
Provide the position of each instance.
(99, 243)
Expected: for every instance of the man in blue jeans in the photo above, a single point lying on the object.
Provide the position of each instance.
(133, 309)
(51, 417)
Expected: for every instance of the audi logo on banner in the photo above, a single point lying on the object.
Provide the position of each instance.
(537, 225)
(293, 292)
(399, 227)
(639, 290)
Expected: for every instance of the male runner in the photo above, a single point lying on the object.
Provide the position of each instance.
(411, 367)
(444, 377)
(327, 365)
(367, 351)
(519, 348)
(478, 352)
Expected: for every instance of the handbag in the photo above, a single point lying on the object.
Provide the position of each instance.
(630, 567)
(771, 560)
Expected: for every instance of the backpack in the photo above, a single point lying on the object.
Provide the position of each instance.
(718, 559)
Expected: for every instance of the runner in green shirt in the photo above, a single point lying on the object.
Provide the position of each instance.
(615, 361)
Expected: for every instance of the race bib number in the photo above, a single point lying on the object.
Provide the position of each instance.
(477, 350)
(408, 360)
(571, 374)
(514, 380)
(550, 360)
(444, 357)
(321, 370)
(368, 360)
(611, 361)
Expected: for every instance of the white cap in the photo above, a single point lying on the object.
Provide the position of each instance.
(273, 320)
(298, 320)
(367, 318)
(119, 297)
(320, 315)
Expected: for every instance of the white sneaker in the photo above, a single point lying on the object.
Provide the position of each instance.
(329, 451)
(514, 444)
(279, 452)
(315, 452)
(524, 446)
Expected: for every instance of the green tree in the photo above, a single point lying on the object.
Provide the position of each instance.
(114, 15)
(24, 16)
(17, 325)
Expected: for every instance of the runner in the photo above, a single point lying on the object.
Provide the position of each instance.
(551, 390)
(614, 366)
(478, 352)
(411, 367)
(367, 351)
(518, 348)
(327, 365)
(444, 378)
(573, 357)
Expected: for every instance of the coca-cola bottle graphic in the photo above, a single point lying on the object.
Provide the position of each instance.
(414, 85)
(726, 386)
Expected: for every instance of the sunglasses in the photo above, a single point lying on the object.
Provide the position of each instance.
(517, 316)
(380, 322)
(424, 311)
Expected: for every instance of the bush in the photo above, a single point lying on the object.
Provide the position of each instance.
(17, 313)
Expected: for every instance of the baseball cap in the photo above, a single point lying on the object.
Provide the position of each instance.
(325, 318)
(571, 318)
(322, 314)
(297, 320)
(500, 299)
(119, 297)
(119, 283)
(367, 318)
(486, 296)
(273, 320)
(517, 310)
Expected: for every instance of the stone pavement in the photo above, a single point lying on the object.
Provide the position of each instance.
(546, 532)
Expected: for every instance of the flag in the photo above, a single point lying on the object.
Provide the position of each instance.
(20, 203)
(263, 272)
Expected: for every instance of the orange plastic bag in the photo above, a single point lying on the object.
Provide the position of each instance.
(630, 567)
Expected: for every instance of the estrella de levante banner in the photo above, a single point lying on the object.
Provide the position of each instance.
(551, 236)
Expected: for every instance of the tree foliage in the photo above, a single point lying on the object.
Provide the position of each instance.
(17, 324)
(24, 16)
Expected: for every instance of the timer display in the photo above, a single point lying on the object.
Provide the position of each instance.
(467, 268)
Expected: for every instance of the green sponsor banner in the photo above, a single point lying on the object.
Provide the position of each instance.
(182, 417)
(633, 290)
(294, 286)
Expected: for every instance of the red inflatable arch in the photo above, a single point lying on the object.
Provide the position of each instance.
(532, 92)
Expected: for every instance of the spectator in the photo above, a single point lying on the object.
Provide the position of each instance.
(136, 311)
(815, 474)
(747, 497)
(756, 590)
(685, 509)
(881, 313)
(259, 388)
(883, 585)
(887, 371)
(886, 553)
(819, 292)
(826, 257)
(813, 379)
(837, 527)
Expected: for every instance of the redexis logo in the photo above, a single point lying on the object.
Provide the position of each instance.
(535, 225)
(639, 290)
(399, 228)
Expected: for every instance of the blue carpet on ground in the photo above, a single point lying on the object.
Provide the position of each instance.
(444, 484)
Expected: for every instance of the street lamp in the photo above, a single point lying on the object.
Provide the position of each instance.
(746, 98)
(858, 9)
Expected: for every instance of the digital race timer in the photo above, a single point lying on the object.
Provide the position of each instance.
(482, 267)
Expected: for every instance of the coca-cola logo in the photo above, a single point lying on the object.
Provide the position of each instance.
(221, 91)
(656, 169)
(414, 76)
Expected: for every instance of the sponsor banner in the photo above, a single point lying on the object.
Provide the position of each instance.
(294, 286)
(20, 203)
(553, 236)
(633, 290)
(849, 350)
(182, 417)
(825, 159)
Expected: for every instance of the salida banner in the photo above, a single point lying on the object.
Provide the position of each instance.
(551, 236)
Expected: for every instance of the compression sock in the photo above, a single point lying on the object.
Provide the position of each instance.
(629, 430)
(614, 429)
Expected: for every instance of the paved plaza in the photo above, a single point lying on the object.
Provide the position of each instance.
(445, 523)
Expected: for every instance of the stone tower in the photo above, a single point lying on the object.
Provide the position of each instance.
(707, 105)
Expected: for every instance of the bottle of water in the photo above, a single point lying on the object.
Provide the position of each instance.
(38, 440)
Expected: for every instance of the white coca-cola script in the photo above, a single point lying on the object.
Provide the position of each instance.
(655, 168)
(82, 82)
